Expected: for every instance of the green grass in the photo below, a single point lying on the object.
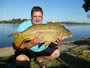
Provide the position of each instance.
(75, 61)
(66, 60)
(9, 62)
(80, 52)
(76, 58)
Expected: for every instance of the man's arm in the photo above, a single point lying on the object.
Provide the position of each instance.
(37, 39)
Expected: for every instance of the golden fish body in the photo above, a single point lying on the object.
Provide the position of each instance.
(49, 32)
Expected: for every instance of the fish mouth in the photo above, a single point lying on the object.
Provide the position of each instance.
(67, 36)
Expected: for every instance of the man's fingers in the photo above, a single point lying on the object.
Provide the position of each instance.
(58, 41)
(55, 42)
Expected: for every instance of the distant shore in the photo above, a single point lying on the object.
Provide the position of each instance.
(18, 21)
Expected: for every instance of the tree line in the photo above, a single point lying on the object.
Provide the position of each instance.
(18, 21)
(69, 23)
(14, 21)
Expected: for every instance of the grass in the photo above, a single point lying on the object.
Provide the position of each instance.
(9, 62)
(75, 58)
(75, 61)
(82, 52)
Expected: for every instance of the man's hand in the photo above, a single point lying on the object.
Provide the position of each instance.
(58, 41)
(38, 38)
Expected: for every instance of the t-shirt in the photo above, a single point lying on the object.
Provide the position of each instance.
(23, 26)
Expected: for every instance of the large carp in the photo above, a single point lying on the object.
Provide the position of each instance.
(49, 32)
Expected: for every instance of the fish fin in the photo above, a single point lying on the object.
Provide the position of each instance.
(47, 44)
(17, 42)
(27, 39)
(13, 34)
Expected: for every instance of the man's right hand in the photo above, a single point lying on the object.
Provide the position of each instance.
(38, 38)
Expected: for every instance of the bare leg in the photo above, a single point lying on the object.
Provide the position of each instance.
(22, 61)
(54, 55)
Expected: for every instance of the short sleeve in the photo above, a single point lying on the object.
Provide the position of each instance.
(24, 26)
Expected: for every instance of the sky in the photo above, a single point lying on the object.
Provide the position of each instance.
(54, 10)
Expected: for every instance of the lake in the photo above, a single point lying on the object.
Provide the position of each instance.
(78, 32)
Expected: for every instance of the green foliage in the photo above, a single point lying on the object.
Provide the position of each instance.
(86, 5)
(9, 62)
(14, 21)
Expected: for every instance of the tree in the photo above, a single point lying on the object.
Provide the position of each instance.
(86, 5)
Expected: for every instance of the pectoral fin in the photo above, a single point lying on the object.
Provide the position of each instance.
(27, 39)
(47, 44)
(17, 42)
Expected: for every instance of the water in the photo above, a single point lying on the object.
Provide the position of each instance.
(78, 32)
(5, 30)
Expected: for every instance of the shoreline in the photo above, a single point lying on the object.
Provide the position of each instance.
(7, 51)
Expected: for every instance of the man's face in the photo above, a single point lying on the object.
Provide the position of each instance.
(37, 17)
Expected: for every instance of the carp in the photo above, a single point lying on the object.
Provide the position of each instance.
(49, 32)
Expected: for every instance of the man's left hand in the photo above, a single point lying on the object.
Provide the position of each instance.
(58, 41)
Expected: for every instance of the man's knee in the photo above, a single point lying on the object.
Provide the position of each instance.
(22, 61)
(22, 58)
(56, 53)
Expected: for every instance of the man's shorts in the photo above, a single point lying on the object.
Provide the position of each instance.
(31, 54)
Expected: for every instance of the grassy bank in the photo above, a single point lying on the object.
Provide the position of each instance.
(72, 59)
(78, 57)
(9, 62)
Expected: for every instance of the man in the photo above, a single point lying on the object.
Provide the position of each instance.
(35, 48)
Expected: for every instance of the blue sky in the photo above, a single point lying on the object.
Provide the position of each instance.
(54, 10)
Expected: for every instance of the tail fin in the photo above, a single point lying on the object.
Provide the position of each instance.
(13, 34)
